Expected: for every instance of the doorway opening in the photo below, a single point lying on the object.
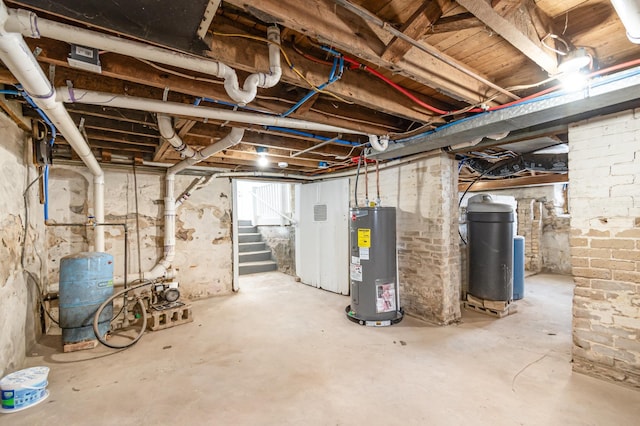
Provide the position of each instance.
(300, 229)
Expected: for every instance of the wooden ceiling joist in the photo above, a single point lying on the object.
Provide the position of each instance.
(344, 32)
(416, 27)
(517, 28)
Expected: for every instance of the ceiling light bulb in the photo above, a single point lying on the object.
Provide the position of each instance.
(575, 61)
(573, 82)
(263, 161)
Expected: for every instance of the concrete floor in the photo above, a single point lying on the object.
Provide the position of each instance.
(282, 353)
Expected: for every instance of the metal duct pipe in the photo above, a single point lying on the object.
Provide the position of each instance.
(70, 95)
(28, 24)
(16, 55)
(629, 13)
(603, 92)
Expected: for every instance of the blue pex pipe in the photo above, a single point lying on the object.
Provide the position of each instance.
(338, 63)
(52, 128)
(33, 105)
(46, 191)
(310, 135)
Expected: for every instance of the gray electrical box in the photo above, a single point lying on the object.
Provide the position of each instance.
(373, 270)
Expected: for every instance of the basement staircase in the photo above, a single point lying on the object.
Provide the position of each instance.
(254, 255)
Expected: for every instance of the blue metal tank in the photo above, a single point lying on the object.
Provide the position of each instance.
(86, 281)
(518, 267)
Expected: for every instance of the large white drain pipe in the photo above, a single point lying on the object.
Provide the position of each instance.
(170, 206)
(28, 24)
(72, 95)
(15, 54)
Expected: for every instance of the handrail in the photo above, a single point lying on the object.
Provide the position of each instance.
(292, 221)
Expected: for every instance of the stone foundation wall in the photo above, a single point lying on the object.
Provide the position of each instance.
(22, 255)
(281, 241)
(604, 198)
(203, 226)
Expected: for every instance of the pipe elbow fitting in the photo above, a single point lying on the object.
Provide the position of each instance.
(271, 79)
(379, 144)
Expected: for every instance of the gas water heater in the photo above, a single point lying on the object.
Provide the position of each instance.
(375, 300)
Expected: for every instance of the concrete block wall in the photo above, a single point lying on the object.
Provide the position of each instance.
(203, 226)
(604, 199)
(425, 194)
(19, 310)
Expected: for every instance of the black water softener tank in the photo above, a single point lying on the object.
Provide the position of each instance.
(490, 244)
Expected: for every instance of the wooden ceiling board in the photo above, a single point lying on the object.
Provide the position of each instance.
(554, 8)
(395, 12)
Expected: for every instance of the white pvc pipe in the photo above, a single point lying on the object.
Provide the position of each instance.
(169, 251)
(629, 13)
(263, 80)
(170, 204)
(233, 138)
(15, 54)
(71, 95)
(28, 24)
(167, 131)
(98, 211)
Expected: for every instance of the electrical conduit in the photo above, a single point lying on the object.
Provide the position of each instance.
(16, 55)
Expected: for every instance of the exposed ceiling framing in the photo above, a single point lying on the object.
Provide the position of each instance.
(407, 66)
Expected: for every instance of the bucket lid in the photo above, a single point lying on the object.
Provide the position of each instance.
(23, 379)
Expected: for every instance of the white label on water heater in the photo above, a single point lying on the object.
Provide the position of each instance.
(385, 297)
(364, 253)
(355, 260)
(356, 272)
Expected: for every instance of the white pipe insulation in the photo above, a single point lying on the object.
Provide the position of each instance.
(71, 95)
(28, 24)
(170, 205)
(15, 54)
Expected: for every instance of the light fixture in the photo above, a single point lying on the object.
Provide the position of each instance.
(572, 69)
(283, 164)
(263, 161)
(575, 61)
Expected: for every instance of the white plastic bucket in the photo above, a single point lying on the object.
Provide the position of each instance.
(23, 389)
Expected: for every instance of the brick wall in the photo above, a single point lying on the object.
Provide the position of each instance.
(604, 200)
(425, 194)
